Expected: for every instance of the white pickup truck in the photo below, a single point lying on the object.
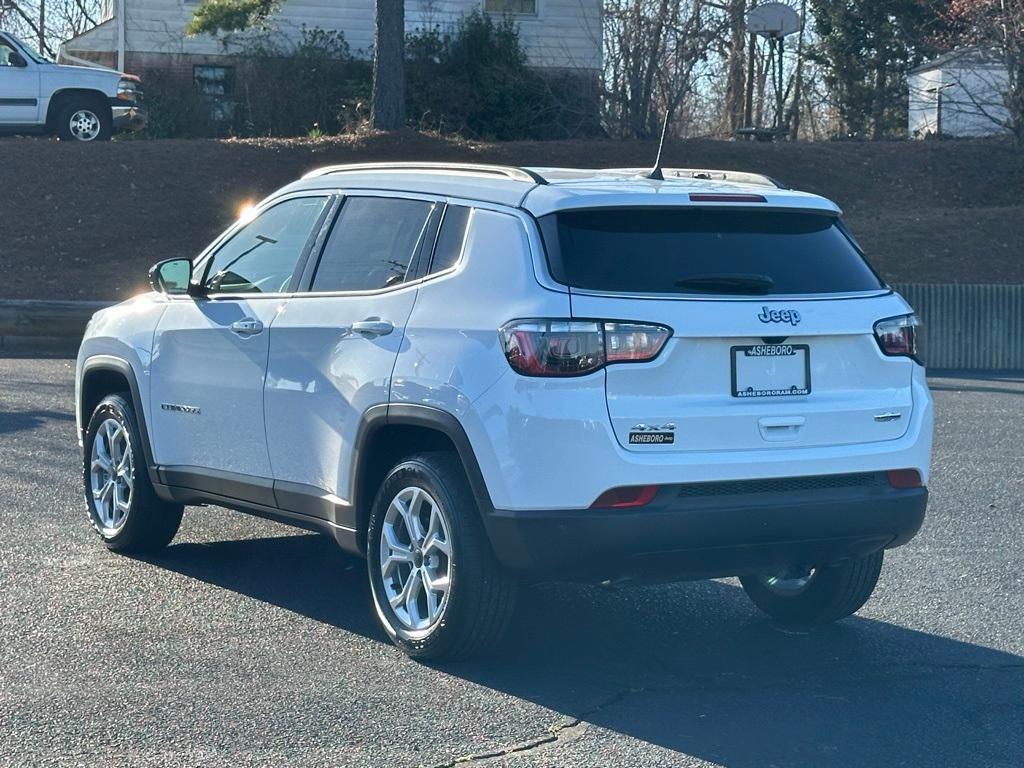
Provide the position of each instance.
(76, 103)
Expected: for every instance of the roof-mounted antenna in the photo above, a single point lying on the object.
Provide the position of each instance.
(655, 172)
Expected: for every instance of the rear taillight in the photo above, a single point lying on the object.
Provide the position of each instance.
(901, 336)
(627, 496)
(578, 347)
(904, 478)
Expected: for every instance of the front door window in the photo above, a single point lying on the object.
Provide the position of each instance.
(261, 257)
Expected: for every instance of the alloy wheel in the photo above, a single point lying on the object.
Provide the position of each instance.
(84, 125)
(415, 559)
(111, 476)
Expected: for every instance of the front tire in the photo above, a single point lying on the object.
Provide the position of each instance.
(85, 120)
(437, 588)
(123, 507)
(805, 597)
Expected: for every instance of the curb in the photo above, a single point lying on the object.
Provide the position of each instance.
(33, 325)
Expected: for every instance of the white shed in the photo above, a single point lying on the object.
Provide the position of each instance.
(958, 94)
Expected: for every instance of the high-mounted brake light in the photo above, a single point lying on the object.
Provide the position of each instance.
(705, 197)
(549, 347)
(901, 336)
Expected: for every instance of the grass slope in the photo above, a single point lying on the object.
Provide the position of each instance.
(87, 221)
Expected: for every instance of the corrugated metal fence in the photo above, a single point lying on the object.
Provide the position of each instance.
(971, 327)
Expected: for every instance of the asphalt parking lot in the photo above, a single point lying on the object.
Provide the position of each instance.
(248, 643)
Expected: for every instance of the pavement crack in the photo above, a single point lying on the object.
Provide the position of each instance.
(526, 746)
(567, 729)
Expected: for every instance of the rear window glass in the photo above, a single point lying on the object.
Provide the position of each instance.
(696, 251)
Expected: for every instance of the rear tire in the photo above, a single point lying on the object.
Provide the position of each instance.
(123, 507)
(85, 119)
(429, 491)
(833, 592)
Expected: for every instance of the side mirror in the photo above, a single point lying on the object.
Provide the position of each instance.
(171, 276)
(15, 59)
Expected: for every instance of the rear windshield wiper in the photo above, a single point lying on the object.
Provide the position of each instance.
(728, 283)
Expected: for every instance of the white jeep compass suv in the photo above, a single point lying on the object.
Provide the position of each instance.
(480, 376)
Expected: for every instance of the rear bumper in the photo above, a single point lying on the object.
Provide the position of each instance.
(549, 444)
(708, 530)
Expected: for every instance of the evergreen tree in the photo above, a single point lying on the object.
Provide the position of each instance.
(867, 47)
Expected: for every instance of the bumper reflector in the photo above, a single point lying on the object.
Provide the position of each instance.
(904, 478)
(628, 496)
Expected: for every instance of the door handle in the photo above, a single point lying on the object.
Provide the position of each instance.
(247, 327)
(373, 327)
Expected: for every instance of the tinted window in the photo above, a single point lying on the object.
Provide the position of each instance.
(371, 244)
(261, 257)
(704, 251)
(451, 238)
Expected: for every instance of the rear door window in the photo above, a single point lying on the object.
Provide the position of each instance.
(372, 243)
(704, 251)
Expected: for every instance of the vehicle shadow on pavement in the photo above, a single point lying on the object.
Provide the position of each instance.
(307, 574)
(692, 668)
(19, 421)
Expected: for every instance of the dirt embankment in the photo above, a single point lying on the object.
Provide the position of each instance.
(86, 222)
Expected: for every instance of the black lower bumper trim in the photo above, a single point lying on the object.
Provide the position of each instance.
(682, 534)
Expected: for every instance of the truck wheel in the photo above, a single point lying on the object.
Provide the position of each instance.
(84, 119)
(123, 507)
(807, 596)
(437, 588)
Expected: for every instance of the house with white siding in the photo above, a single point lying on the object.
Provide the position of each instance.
(140, 35)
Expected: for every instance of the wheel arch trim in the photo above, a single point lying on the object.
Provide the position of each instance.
(378, 417)
(120, 366)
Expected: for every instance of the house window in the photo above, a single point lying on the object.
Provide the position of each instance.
(216, 85)
(521, 7)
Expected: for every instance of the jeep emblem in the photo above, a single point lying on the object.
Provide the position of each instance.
(790, 316)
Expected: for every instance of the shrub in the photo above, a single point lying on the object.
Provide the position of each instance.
(175, 109)
(474, 80)
(287, 90)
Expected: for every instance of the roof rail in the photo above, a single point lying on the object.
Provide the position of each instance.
(508, 171)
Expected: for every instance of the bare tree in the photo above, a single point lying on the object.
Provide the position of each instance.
(48, 23)
(653, 50)
(388, 111)
(997, 26)
(735, 68)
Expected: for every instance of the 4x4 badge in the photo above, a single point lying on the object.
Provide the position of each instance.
(790, 316)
